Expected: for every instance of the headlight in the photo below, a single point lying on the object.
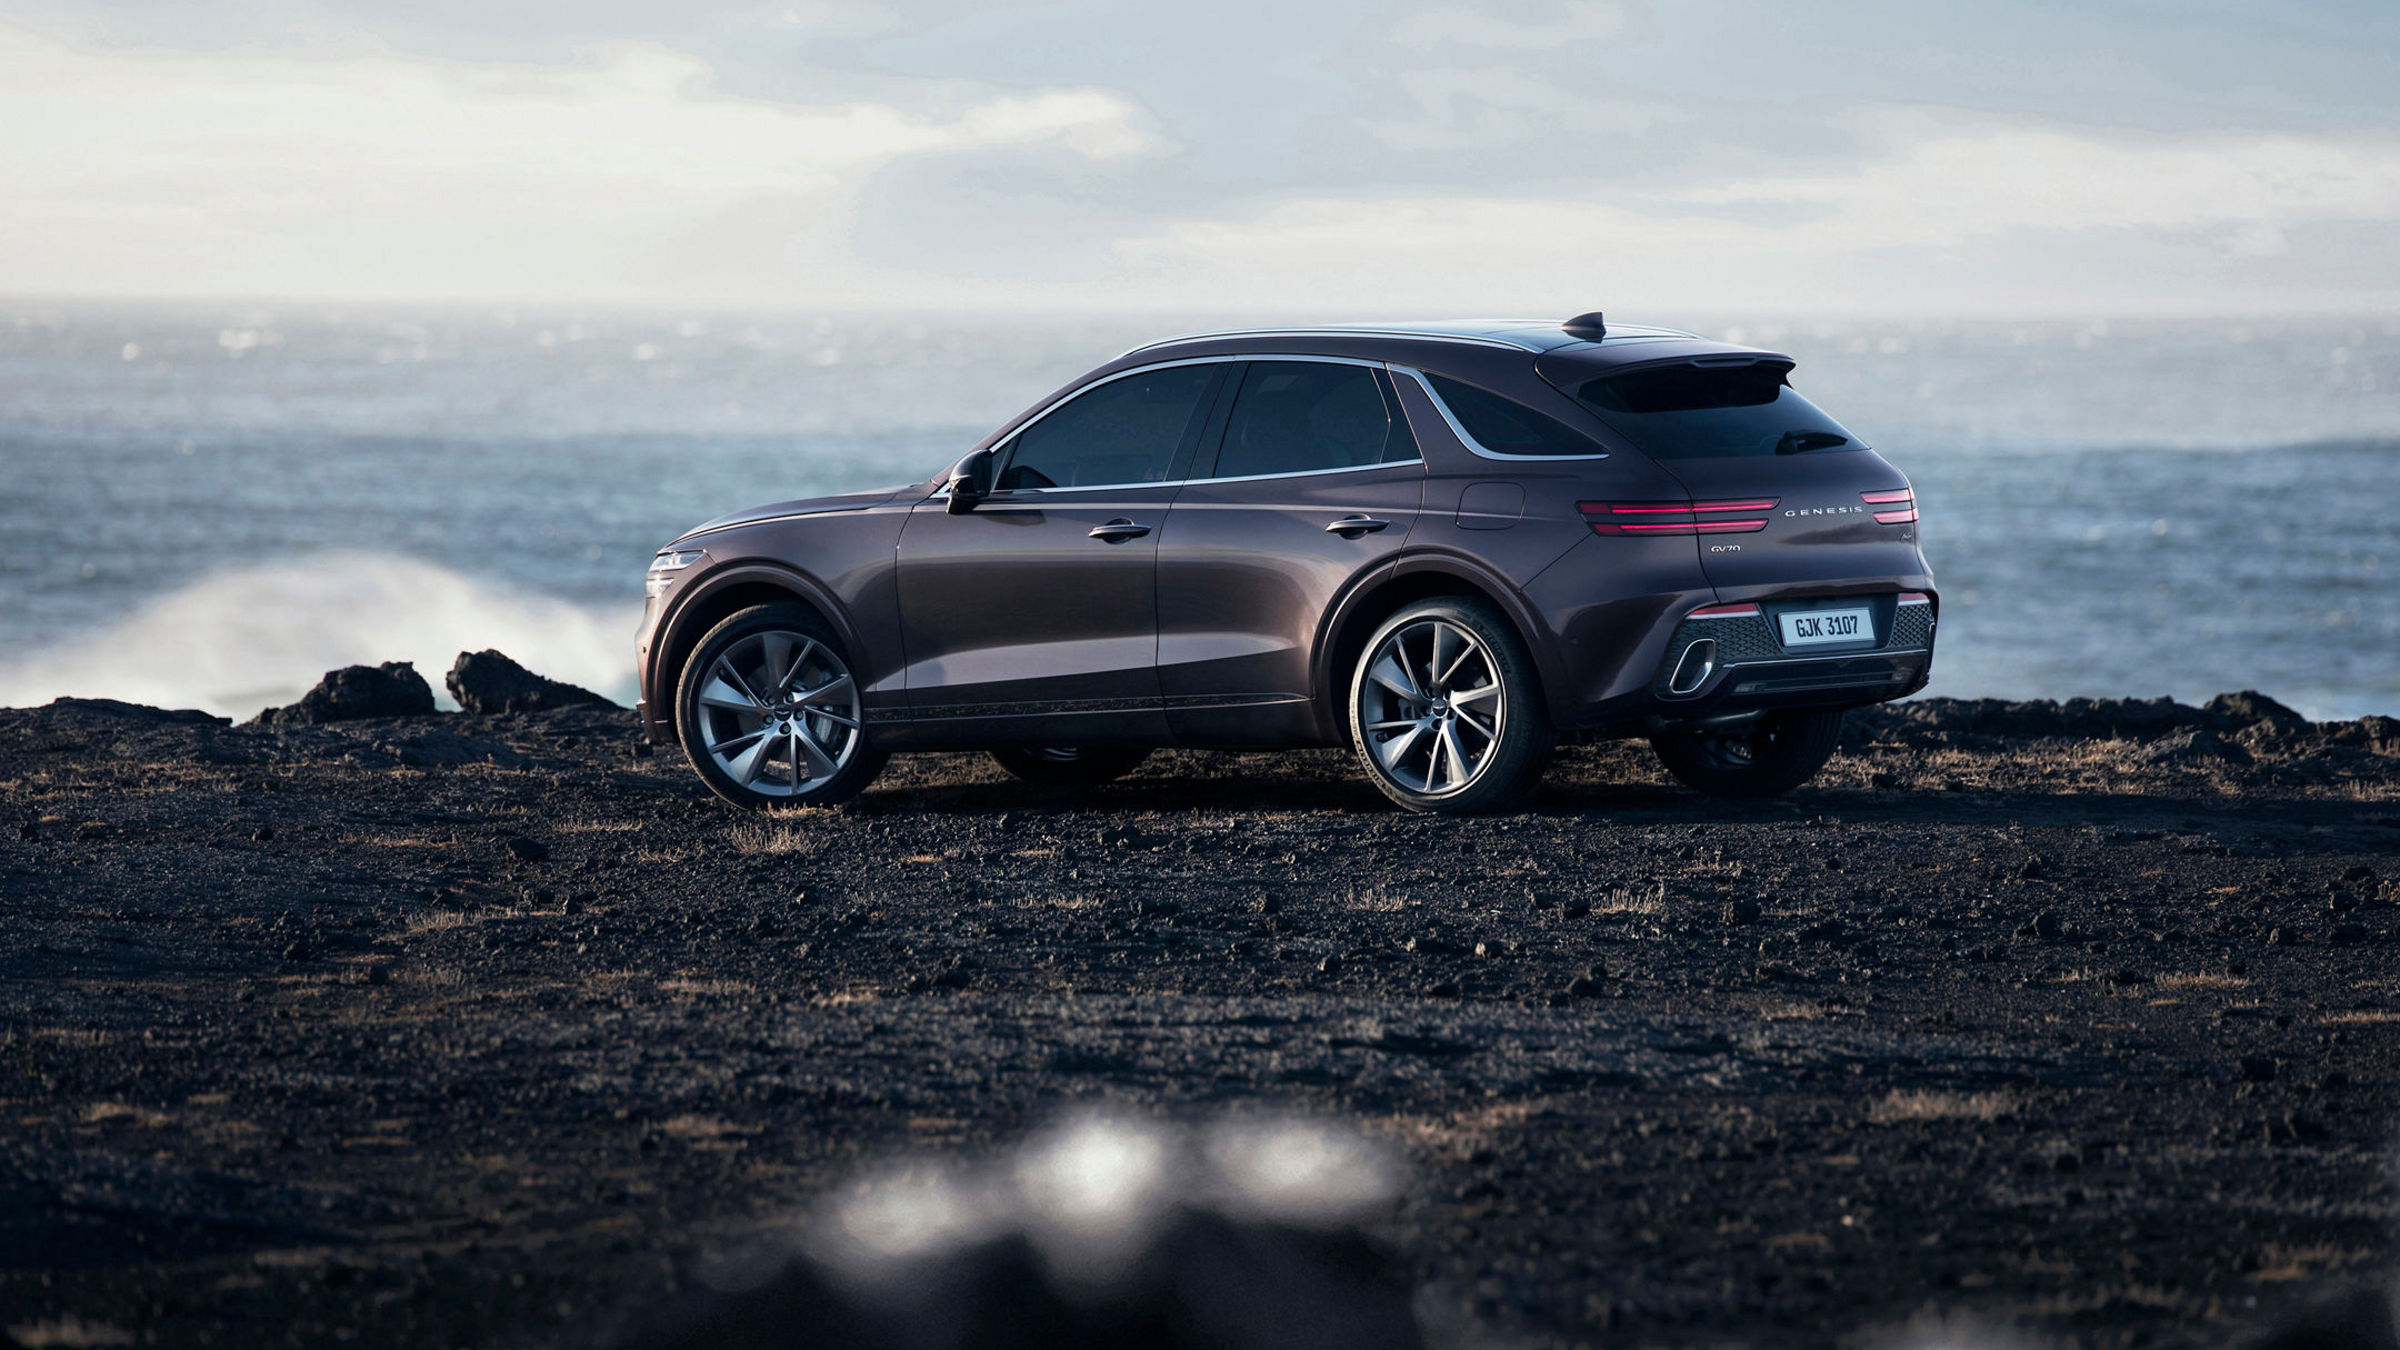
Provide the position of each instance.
(664, 567)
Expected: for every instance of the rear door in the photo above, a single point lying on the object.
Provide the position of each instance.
(1312, 482)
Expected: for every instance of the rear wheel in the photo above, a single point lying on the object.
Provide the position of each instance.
(1444, 709)
(1070, 766)
(770, 714)
(1765, 758)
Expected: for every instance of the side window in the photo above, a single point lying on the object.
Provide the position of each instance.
(1302, 416)
(1126, 431)
(1507, 427)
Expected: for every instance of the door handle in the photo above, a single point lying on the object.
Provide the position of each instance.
(1351, 527)
(1118, 531)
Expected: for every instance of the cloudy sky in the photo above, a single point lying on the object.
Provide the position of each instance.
(1369, 157)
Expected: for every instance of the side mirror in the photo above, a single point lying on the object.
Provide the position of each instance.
(970, 482)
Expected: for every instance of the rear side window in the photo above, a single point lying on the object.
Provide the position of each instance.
(1308, 417)
(1703, 412)
(1507, 427)
(1126, 431)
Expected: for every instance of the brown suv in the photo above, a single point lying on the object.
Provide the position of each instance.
(1447, 545)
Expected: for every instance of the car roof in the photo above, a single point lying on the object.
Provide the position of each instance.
(1526, 335)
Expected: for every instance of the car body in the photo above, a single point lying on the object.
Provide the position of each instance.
(1243, 509)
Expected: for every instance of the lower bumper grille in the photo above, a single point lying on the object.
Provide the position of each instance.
(1751, 640)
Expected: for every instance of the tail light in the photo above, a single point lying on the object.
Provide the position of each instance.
(1723, 611)
(1729, 517)
(1900, 504)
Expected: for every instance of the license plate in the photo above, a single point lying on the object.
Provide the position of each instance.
(1826, 627)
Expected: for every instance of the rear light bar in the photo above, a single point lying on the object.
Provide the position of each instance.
(1915, 598)
(1745, 516)
(1722, 611)
(1903, 502)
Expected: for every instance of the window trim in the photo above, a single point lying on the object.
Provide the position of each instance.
(1459, 429)
(1028, 494)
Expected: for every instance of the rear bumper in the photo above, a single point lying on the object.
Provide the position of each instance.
(1749, 668)
(1720, 667)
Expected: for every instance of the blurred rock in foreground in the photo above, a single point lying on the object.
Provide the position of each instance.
(1103, 1231)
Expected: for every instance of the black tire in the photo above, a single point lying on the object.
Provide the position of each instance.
(1070, 766)
(1765, 758)
(719, 736)
(1452, 708)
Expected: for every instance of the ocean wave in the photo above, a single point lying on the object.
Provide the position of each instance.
(245, 638)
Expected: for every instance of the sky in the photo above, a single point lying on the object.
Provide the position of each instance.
(1366, 158)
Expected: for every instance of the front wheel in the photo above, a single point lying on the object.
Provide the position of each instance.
(1445, 712)
(770, 713)
(1764, 758)
(1070, 766)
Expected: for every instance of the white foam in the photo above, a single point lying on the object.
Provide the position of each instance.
(246, 638)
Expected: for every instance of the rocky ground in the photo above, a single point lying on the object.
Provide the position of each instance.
(457, 1030)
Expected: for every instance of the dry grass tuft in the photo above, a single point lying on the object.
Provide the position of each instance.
(1906, 1106)
(769, 839)
(2200, 979)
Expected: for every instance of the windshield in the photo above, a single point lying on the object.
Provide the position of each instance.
(1695, 412)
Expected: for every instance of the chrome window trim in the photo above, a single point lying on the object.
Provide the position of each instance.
(1306, 473)
(1459, 430)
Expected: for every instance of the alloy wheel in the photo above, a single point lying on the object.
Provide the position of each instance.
(1431, 707)
(779, 713)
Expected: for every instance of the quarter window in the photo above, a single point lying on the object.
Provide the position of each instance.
(1128, 430)
(1309, 416)
(1507, 427)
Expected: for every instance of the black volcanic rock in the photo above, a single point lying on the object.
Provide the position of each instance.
(393, 689)
(136, 712)
(489, 682)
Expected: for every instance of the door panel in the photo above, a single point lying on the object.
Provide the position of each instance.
(1014, 609)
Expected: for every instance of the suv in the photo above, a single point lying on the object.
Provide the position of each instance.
(1448, 546)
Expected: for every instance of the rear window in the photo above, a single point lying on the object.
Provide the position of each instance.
(1507, 427)
(1705, 412)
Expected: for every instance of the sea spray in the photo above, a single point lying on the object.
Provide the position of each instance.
(245, 638)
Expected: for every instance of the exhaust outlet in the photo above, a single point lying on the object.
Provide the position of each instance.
(1699, 661)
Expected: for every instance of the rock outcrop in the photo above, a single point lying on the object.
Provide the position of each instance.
(393, 689)
(489, 682)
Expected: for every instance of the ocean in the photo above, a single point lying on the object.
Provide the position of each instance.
(209, 507)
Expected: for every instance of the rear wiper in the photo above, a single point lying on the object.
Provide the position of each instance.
(1794, 442)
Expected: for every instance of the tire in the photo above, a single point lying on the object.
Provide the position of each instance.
(1070, 766)
(1446, 711)
(1765, 758)
(801, 744)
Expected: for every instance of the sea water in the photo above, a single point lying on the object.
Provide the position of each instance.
(209, 507)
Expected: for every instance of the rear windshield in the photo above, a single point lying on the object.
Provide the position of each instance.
(1704, 412)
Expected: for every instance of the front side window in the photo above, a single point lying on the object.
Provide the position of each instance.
(1126, 431)
(1308, 417)
(1707, 412)
(1507, 427)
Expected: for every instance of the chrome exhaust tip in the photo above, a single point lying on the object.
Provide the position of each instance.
(1699, 661)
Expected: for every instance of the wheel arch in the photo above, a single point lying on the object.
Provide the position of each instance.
(724, 592)
(1411, 579)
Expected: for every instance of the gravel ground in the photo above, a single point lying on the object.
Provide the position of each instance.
(2077, 1020)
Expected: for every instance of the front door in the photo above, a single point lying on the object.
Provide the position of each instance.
(1314, 486)
(1036, 614)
